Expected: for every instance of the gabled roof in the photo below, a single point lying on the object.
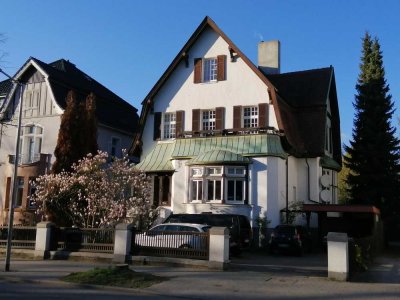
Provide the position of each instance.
(111, 110)
(299, 98)
(5, 86)
(63, 76)
(302, 99)
(182, 54)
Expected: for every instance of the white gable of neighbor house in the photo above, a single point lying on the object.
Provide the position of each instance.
(40, 109)
(241, 87)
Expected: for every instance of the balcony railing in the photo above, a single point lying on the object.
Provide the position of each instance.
(24, 159)
(232, 131)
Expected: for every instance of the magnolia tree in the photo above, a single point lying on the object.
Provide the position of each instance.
(96, 193)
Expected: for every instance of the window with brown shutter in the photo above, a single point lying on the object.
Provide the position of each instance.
(263, 115)
(198, 66)
(221, 61)
(219, 118)
(237, 116)
(195, 119)
(180, 114)
(157, 126)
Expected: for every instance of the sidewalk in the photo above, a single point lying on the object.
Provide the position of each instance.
(205, 284)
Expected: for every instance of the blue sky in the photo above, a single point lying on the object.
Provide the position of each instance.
(127, 45)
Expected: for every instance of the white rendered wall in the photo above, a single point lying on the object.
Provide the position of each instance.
(241, 87)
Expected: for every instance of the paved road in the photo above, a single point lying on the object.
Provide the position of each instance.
(268, 278)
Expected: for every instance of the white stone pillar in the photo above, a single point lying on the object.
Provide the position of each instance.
(219, 248)
(122, 242)
(338, 256)
(43, 236)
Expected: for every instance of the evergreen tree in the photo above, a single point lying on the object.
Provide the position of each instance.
(68, 148)
(374, 155)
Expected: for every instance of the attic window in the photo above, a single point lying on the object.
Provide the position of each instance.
(209, 69)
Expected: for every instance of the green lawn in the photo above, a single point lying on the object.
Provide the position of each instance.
(114, 276)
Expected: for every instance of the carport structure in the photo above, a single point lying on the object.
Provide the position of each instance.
(356, 220)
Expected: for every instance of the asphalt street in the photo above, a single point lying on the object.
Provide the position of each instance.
(250, 277)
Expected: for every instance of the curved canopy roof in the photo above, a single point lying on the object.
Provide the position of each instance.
(218, 157)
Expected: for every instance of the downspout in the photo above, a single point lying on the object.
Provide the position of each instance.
(287, 189)
(308, 183)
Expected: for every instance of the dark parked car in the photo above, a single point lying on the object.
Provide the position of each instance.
(290, 238)
(238, 225)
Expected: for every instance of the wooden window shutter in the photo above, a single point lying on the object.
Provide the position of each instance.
(221, 65)
(195, 119)
(197, 70)
(263, 115)
(157, 125)
(180, 114)
(237, 116)
(219, 118)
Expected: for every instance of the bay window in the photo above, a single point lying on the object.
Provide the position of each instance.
(221, 184)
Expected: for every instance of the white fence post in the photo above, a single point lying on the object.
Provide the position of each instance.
(338, 256)
(122, 243)
(43, 236)
(219, 248)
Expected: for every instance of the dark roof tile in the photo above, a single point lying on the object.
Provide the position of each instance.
(111, 110)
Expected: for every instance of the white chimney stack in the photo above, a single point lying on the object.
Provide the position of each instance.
(269, 57)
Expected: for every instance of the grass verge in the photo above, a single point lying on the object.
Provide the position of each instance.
(113, 276)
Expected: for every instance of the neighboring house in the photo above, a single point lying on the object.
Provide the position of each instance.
(45, 87)
(220, 135)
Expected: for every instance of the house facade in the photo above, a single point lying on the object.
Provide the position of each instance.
(221, 135)
(44, 89)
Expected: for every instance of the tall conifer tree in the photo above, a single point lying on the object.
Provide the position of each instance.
(68, 149)
(374, 155)
(78, 132)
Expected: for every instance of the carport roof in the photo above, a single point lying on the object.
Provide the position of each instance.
(341, 208)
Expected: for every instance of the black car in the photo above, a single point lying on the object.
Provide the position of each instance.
(290, 239)
(238, 225)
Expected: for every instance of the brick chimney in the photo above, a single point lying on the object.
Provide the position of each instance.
(269, 57)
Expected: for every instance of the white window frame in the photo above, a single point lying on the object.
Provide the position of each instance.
(250, 116)
(208, 119)
(210, 69)
(31, 139)
(209, 175)
(168, 125)
(235, 174)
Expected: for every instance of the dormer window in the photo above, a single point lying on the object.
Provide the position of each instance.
(209, 69)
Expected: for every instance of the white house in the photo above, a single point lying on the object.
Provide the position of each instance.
(221, 135)
(44, 91)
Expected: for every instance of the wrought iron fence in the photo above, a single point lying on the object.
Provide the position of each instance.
(23, 237)
(84, 239)
(193, 245)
